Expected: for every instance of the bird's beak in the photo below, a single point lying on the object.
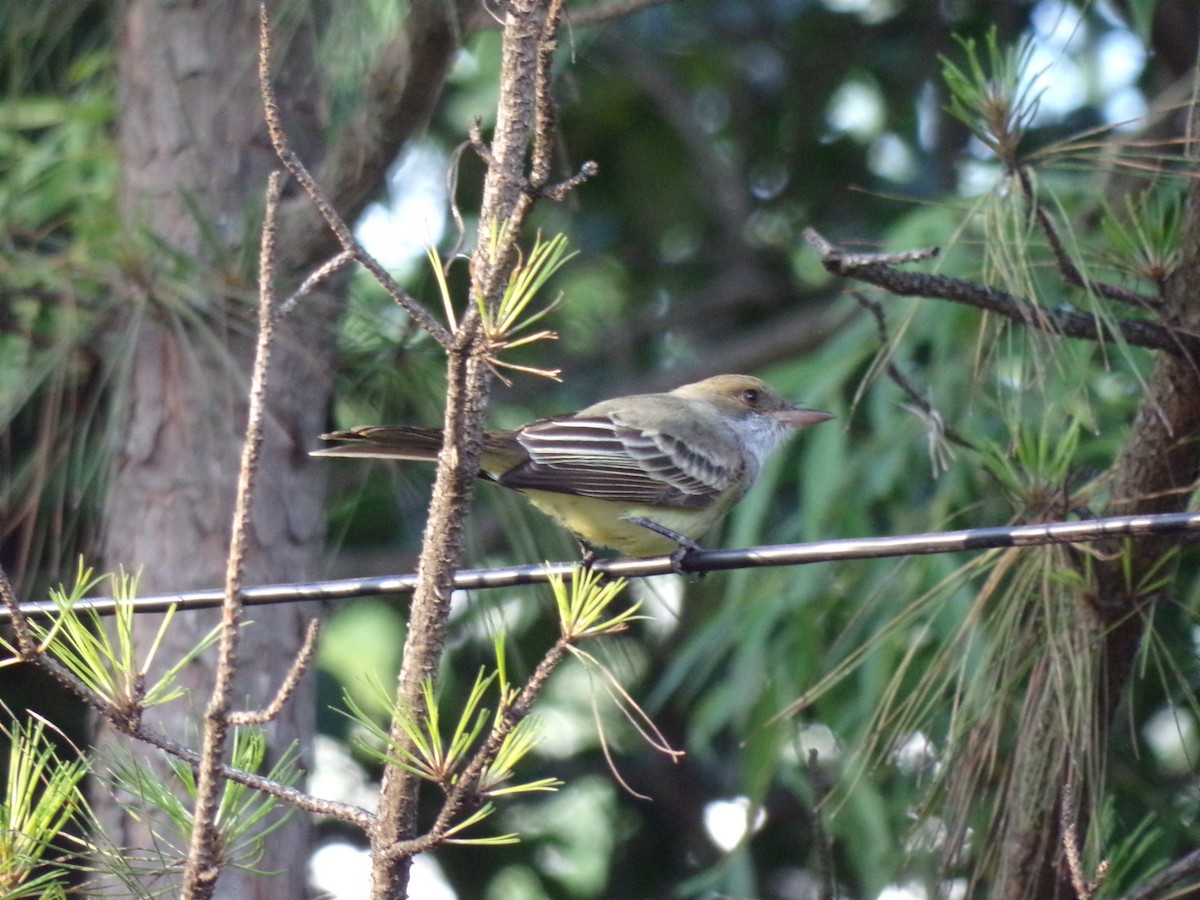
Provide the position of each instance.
(798, 417)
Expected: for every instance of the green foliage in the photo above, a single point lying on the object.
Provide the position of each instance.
(245, 818)
(714, 130)
(427, 751)
(995, 98)
(58, 261)
(583, 607)
(42, 796)
(107, 661)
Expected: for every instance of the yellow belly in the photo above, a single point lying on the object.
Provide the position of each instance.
(603, 523)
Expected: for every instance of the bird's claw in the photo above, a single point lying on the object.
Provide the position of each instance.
(685, 544)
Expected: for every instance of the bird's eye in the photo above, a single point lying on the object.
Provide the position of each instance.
(751, 396)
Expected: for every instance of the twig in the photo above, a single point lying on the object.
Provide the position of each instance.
(922, 403)
(559, 191)
(203, 865)
(1066, 266)
(468, 381)
(343, 812)
(879, 271)
(1085, 889)
(318, 275)
(287, 688)
(972, 539)
(335, 222)
(544, 106)
(463, 793)
(26, 645)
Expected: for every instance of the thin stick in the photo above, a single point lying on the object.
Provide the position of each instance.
(203, 865)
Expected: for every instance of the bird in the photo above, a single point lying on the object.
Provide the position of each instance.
(646, 475)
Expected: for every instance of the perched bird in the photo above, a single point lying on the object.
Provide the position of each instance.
(646, 475)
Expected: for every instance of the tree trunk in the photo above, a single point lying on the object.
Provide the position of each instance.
(194, 165)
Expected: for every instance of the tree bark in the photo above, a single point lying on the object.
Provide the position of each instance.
(194, 163)
(1156, 473)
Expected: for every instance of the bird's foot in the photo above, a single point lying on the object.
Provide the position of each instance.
(685, 544)
(587, 553)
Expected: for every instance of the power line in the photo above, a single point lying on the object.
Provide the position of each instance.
(696, 562)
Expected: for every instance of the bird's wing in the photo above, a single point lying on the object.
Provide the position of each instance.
(601, 457)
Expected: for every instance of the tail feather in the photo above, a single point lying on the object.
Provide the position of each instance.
(501, 450)
(385, 442)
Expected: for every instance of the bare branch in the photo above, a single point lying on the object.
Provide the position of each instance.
(26, 645)
(545, 109)
(331, 216)
(1065, 322)
(560, 190)
(287, 688)
(322, 272)
(1085, 888)
(921, 402)
(1066, 266)
(505, 203)
(343, 812)
(202, 867)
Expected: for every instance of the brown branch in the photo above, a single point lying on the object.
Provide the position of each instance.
(504, 205)
(544, 107)
(287, 688)
(1068, 825)
(343, 812)
(879, 271)
(26, 645)
(463, 794)
(1066, 266)
(320, 274)
(321, 201)
(922, 404)
(203, 865)
(560, 190)
(402, 87)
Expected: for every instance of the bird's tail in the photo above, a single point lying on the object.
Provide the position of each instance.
(501, 451)
(385, 442)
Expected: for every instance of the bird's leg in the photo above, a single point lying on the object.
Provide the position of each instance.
(587, 552)
(686, 544)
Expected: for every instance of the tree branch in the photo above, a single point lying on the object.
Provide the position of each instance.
(403, 87)
(333, 219)
(203, 865)
(506, 201)
(287, 687)
(879, 271)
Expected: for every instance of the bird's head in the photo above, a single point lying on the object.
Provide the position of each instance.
(743, 396)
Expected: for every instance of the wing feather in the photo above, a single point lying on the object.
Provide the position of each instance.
(604, 458)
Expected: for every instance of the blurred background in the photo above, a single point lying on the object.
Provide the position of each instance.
(721, 131)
